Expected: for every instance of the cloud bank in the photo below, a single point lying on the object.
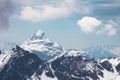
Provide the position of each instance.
(109, 28)
(43, 13)
(41, 10)
(51, 9)
(6, 10)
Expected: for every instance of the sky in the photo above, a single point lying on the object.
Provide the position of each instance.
(72, 23)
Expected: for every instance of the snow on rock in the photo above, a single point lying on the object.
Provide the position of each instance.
(44, 77)
(71, 65)
(73, 52)
(115, 61)
(40, 44)
(109, 75)
(4, 58)
(40, 35)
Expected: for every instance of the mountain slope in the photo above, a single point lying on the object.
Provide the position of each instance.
(23, 65)
(79, 68)
(20, 66)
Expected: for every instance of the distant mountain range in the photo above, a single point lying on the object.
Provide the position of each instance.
(38, 58)
(103, 51)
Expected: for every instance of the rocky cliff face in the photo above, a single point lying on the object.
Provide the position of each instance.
(20, 66)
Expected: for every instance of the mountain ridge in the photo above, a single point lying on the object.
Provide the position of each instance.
(38, 58)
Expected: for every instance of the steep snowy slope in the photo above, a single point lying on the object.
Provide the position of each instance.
(42, 46)
(4, 58)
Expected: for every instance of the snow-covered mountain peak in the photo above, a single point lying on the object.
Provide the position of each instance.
(39, 35)
(42, 46)
(39, 32)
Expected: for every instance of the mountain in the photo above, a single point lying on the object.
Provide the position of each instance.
(23, 65)
(102, 51)
(20, 66)
(38, 58)
(41, 45)
(79, 68)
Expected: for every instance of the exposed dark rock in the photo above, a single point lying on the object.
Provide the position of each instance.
(65, 67)
(107, 65)
(0, 52)
(21, 65)
(118, 68)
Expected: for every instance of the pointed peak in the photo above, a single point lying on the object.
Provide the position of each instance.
(39, 35)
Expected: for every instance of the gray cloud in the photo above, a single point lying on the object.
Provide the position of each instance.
(6, 10)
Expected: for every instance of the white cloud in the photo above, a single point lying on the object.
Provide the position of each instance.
(86, 7)
(89, 24)
(51, 9)
(116, 51)
(108, 29)
(43, 13)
